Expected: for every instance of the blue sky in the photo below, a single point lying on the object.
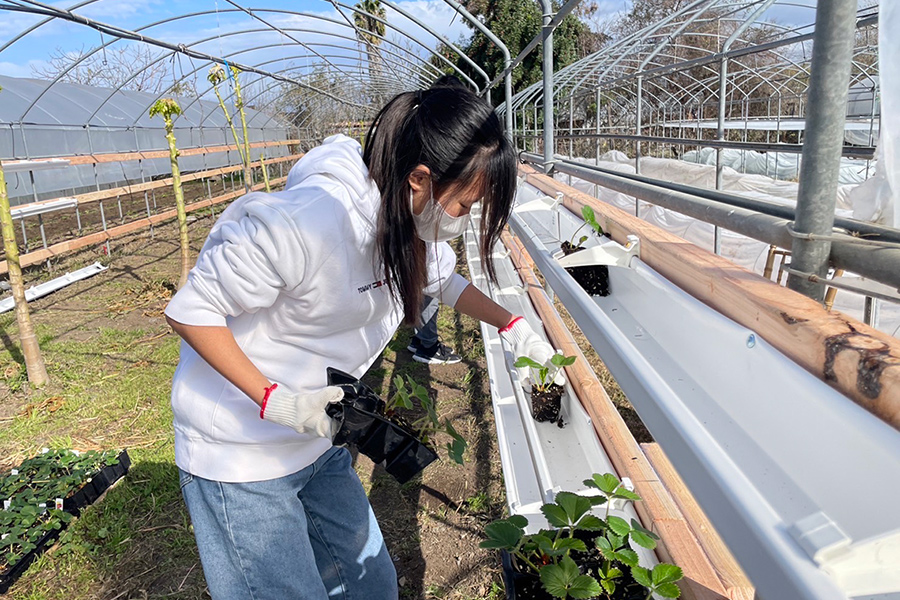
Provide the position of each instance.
(33, 50)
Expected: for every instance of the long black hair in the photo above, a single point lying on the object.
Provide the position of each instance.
(459, 138)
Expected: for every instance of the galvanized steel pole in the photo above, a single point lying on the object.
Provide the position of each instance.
(547, 9)
(827, 109)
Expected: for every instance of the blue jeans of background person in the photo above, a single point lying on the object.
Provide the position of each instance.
(427, 334)
(311, 535)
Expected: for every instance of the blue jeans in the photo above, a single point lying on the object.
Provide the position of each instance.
(311, 535)
(427, 334)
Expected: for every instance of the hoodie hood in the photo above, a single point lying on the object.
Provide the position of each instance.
(338, 157)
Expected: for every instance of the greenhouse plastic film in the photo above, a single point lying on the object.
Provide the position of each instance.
(888, 51)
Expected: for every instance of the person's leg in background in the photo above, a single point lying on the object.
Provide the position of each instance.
(425, 345)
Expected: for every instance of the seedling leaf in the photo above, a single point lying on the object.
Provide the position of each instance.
(605, 483)
(563, 580)
(555, 514)
(524, 361)
(591, 523)
(570, 544)
(575, 506)
(518, 521)
(619, 525)
(627, 557)
(502, 534)
(668, 590)
(665, 573)
(642, 539)
(641, 575)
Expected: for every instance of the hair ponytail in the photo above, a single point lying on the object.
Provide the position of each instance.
(458, 137)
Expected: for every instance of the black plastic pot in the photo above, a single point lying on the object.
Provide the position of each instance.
(364, 425)
(592, 279)
(93, 488)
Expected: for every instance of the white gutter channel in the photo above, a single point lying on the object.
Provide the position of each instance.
(539, 459)
(48, 287)
(801, 483)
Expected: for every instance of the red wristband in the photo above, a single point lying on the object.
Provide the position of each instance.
(269, 390)
(510, 324)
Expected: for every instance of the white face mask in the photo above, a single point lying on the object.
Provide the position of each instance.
(434, 224)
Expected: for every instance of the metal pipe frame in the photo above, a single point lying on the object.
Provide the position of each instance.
(118, 33)
(620, 57)
(869, 231)
(124, 34)
(828, 93)
(861, 152)
(882, 264)
(549, 123)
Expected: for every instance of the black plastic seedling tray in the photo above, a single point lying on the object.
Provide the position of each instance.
(364, 425)
(92, 489)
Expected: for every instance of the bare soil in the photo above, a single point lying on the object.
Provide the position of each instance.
(545, 404)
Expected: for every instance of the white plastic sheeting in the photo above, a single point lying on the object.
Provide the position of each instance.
(888, 200)
(746, 252)
(780, 165)
(704, 176)
(55, 126)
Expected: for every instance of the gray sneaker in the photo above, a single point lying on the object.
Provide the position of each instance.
(439, 354)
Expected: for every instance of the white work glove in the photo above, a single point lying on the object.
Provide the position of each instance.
(304, 413)
(525, 342)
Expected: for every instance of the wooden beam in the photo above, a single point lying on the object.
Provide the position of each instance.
(101, 236)
(87, 159)
(857, 360)
(657, 510)
(726, 566)
(90, 197)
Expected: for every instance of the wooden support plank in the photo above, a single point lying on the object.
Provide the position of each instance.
(87, 159)
(125, 190)
(855, 359)
(726, 566)
(657, 510)
(167, 182)
(113, 232)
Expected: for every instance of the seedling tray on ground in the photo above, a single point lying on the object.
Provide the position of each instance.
(92, 488)
(363, 424)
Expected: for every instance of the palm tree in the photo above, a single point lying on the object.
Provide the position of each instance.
(370, 30)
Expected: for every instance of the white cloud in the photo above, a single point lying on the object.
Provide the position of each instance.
(20, 70)
(119, 10)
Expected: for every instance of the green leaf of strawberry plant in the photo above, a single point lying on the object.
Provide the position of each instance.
(642, 576)
(575, 506)
(668, 590)
(619, 525)
(564, 580)
(665, 573)
(627, 557)
(524, 361)
(502, 534)
(555, 515)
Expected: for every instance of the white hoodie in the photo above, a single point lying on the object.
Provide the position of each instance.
(292, 275)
